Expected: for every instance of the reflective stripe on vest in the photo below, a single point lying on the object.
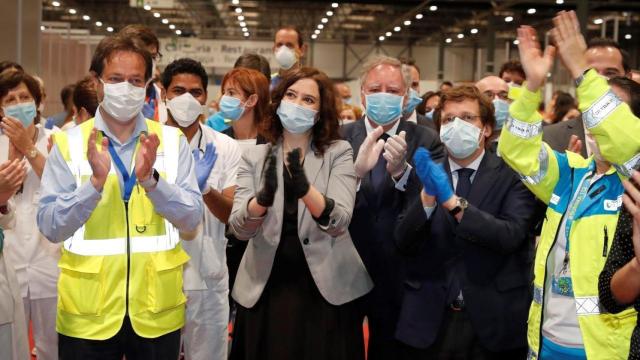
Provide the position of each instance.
(166, 162)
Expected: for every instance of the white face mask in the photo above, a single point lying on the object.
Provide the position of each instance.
(184, 109)
(285, 57)
(122, 101)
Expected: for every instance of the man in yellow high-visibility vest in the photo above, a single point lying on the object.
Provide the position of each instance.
(117, 189)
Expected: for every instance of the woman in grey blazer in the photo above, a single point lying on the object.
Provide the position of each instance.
(301, 276)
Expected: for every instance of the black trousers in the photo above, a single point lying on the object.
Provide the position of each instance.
(125, 343)
(457, 341)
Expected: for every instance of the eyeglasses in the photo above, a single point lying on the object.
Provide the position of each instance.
(465, 116)
(504, 95)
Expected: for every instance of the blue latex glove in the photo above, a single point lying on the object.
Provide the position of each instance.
(149, 109)
(204, 164)
(433, 176)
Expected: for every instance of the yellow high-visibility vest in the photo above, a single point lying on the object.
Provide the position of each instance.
(126, 259)
(554, 178)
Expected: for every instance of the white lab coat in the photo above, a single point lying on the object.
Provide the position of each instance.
(14, 343)
(34, 258)
(206, 277)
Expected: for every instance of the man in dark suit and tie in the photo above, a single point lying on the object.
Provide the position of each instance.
(609, 60)
(384, 145)
(467, 288)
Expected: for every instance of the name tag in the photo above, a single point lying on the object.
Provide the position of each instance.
(613, 205)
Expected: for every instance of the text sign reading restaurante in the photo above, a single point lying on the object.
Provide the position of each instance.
(212, 53)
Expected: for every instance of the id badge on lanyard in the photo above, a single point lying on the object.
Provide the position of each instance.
(561, 283)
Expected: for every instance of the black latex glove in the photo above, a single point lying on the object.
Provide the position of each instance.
(299, 179)
(269, 181)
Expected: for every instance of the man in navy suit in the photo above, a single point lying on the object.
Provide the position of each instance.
(384, 144)
(467, 286)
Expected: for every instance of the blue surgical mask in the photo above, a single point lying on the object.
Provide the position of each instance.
(296, 119)
(501, 111)
(383, 108)
(460, 138)
(25, 112)
(429, 115)
(231, 108)
(413, 102)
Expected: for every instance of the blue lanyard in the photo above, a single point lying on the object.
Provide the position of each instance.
(128, 180)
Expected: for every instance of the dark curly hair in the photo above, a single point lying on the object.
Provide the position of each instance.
(184, 66)
(325, 130)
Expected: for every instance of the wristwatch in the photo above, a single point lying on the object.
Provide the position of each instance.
(152, 180)
(461, 204)
(33, 153)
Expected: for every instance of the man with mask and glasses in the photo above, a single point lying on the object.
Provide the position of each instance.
(116, 190)
(217, 156)
(414, 100)
(288, 50)
(466, 293)
(496, 90)
(384, 144)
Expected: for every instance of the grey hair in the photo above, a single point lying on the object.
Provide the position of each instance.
(386, 60)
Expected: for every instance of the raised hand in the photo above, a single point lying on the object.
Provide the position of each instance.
(570, 42)
(369, 152)
(17, 134)
(12, 175)
(146, 156)
(395, 152)
(300, 182)
(269, 181)
(575, 144)
(204, 164)
(535, 63)
(433, 176)
(99, 160)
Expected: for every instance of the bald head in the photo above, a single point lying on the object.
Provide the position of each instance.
(493, 87)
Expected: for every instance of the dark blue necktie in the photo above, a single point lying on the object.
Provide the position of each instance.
(464, 182)
(462, 190)
(379, 172)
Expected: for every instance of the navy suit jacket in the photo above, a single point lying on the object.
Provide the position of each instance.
(493, 244)
(374, 217)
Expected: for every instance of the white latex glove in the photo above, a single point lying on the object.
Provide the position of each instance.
(395, 152)
(369, 152)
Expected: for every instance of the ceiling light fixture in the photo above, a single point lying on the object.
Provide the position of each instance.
(508, 19)
(397, 28)
(178, 32)
(147, 7)
(531, 11)
(448, 40)
(419, 16)
(98, 23)
(407, 22)
(474, 31)
(433, 8)
(381, 38)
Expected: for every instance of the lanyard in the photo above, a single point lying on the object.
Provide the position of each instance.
(128, 180)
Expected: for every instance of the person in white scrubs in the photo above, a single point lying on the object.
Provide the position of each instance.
(217, 156)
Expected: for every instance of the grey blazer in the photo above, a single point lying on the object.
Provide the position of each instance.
(335, 265)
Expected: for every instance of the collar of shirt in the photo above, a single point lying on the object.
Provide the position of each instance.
(390, 132)
(413, 117)
(99, 124)
(199, 139)
(474, 165)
